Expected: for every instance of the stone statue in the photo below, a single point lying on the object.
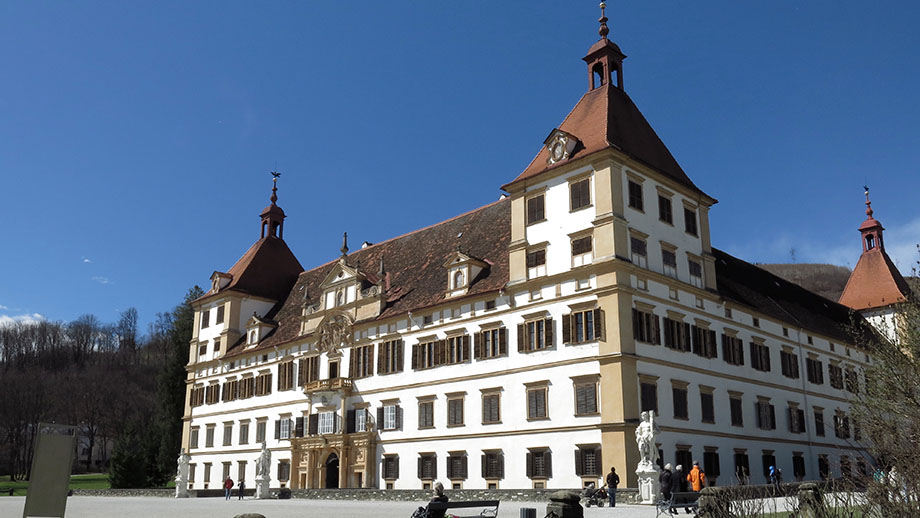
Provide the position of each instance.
(264, 463)
(182, 464)
(645, 439)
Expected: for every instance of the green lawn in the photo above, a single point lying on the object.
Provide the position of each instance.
(91, 481)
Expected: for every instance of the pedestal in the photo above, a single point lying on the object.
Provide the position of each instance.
(181, 487)
(262, 488)
(649, 488)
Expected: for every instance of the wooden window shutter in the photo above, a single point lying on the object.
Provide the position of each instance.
(380, 418)
(278, 429)
(298, 427)
(598, 462)
(350, 421)
(441, 356)
(295, 373)
(503, 341)
(466, 347)
(599, 325)
(530, 464)
(463, 467)
(485, 465)
(370, 360)
(415, 356)
(353, 362)
(395, 467)
(398, 417)
(421, 473)
(566, 329)
(501, 465)
(548, 462)
(579, 465)
(313, 424)
(548, 323)
(657, 326)
(772, 417)
(637, 325)
(399, 355)
(434, 466)
(520, 337)
(477, 346)
(381, 355)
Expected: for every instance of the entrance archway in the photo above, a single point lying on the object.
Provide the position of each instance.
(332, 471)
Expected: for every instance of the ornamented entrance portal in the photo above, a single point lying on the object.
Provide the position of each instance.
(332, 471)
(338, 460)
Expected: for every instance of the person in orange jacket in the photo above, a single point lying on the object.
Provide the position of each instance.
(696, 477)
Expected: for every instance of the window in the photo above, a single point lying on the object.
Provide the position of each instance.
(390, 356)
(325, 424)
(458, 279)
(427, 466)
(360, 420)
(456, 465)
(582, 326)
(539, 463)
(815, 371)
(707, 408)
(824, 467)
(247, 387)
(796, 419)
(536, 403)
(458, 349)
(767, 459)
(491, 411)
(263, 384)
(819, 421)
(286, 375)
(679, 398)
(836, 375)
(309, 369)
(241, 470)
(193, 438)
(209, 436)
(390, 467)
(704, 342)
(216, 345)
(732, 350)
(230, 390)
(203, 349)
(841, 426)
(690, 221)
(205, 316)
(711, 464)
(760, 357)
(191, 472)
(664, 210)
(207, 472)
(676, 335)
(736, 410)
(244, 432)
(766, 416)
(669, 263)
(260, 431)
(742, 468)
(455, 411)
(390, 416)
(490, 343)
(283, 428)
(535, 335)
(790, 364)
(756, 322)
(852, 382)
(696, 273)
(648, 396)
(536, 263)
(212, 394)
(535, 207)
(586, 398)
(196, 396)
(284, 470)
(635, 195)
(228, 434)
(646, 327)
(798, 466)
(580, 193)
(581, 251)
(226, 471)
(588, 461)
(362, 361)
(684, 457)
(426, 414)
(493, 464)
(638, 252)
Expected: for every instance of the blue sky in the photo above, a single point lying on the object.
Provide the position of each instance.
(136, 138)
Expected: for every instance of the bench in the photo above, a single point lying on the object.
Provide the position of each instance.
(489, 508)
(689, 500)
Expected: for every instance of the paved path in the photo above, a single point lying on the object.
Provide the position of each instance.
(152, 507)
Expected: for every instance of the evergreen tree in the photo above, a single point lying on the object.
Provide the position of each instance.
(128, 467)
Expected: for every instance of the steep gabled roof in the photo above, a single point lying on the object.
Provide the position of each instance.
(606, 118)
(874, 283)
(268, 269)
(414, 268)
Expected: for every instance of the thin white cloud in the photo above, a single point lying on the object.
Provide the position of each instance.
(101, 280)
(86, 260)
(2, 307)
(32, 318)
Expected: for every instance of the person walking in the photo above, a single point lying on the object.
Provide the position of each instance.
(228, 485)
(664, 480)
(696, 477)
(613, 480)
(678, 483)
(242, 488)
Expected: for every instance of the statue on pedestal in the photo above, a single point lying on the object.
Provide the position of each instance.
(263, 472)
(182, 464)
(647, 470)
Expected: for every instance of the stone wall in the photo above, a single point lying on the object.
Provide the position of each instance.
(164, 492)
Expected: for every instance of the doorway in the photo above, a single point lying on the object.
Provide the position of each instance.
(332, 471)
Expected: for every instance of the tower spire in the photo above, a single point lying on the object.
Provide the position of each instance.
(272, 216)
(275, 176)
(868, 203)
(603, 30)
(344, 248)
(604, 59)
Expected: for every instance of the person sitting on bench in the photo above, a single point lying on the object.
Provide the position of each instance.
(439, 496)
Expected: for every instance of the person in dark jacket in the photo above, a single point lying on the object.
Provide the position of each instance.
(678, 482)
(613, 480)
(664, 480)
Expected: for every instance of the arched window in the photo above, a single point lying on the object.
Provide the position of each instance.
(598, 72)
(252, 336)
(870, 242)
(340, 298)
(458, 279)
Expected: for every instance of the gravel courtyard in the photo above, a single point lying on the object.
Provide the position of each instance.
(150, 507)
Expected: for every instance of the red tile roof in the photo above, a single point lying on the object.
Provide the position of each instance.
(268, 269)
(874, 283)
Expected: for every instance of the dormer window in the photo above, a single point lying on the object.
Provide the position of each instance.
(458, 279)
(253, 336)
(560, 145)
(462, 270)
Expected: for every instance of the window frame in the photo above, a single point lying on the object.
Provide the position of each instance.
(575, 201)
(538, 213)
(537, 408)
(634, 195)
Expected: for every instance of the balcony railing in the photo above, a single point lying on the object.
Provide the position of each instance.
(328, 385)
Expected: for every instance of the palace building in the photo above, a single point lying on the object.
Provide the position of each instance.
(514, 346)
